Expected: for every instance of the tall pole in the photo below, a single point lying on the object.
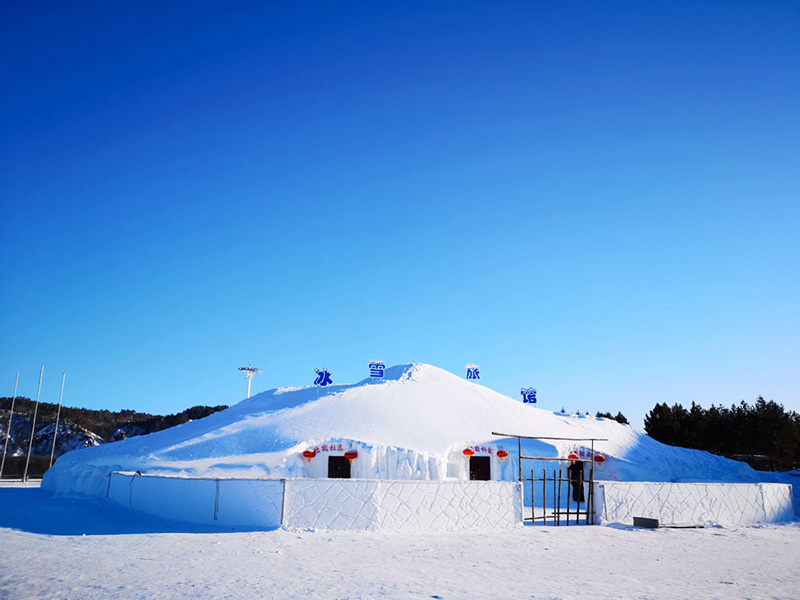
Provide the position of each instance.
(8, 433)
(249, 372)
(58, 415)
(33, 425)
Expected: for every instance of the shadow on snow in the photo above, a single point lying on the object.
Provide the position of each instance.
(38, 511)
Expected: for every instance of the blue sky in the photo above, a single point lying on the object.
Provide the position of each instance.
(600, 200)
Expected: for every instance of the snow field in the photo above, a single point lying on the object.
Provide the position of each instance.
(128, 555)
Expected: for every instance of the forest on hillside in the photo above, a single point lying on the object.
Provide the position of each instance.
(109, 425)
(77, 428)
(763, 434)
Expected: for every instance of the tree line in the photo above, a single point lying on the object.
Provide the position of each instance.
(619, 418)
(106, 423)
(110, 426)
(764, 434)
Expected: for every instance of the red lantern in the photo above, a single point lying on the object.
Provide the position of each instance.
(573, 456)
(309, 454)
(350, 455)
(502, 454)
(599, 459)
(468, 452)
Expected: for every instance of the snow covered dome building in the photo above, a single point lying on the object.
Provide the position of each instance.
(413, 425)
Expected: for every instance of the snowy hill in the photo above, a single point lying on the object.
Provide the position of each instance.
(70, 436)
(412, 422)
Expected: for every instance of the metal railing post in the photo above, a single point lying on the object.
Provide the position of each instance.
(283, 504)
(33, 425)
(533, 494)
(8, 433)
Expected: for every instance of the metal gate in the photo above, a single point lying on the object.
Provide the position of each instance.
(555, 489)
(563, 506)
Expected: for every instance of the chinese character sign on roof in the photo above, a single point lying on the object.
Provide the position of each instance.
(376, 368)
(528, 395)
(323, 377)
(473, 372)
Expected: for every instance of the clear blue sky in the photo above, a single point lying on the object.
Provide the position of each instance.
(597, 199)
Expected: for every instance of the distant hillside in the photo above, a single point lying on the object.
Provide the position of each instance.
(77, 428)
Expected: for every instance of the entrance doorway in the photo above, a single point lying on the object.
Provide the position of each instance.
(480, 468)
(338, 467)
(578, 486)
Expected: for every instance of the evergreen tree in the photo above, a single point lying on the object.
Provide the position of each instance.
(620, 418)
(765, 431)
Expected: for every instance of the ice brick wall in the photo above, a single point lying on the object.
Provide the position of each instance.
(344, 504)
(250, 502)
(349, 504)
(168, 497)
(230, 502)
(402, 505)
(695, 503)
(449, 505)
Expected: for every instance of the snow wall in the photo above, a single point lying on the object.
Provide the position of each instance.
(693, 503)
(345, 504)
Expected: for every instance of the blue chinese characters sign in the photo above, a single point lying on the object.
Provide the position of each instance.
(473, 372)
(323, 377)
(528, 395)
(376, 368)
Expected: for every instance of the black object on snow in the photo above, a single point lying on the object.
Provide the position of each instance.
(645, 522)
(575, 474)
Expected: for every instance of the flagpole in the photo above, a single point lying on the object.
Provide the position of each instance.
(33, 425)
(58, 415)
(8, 433)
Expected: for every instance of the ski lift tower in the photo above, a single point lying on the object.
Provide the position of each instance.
(249, 372)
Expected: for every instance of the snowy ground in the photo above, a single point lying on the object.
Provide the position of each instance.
(57, 548)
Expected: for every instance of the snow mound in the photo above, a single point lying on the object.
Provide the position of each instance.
(417, 409)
